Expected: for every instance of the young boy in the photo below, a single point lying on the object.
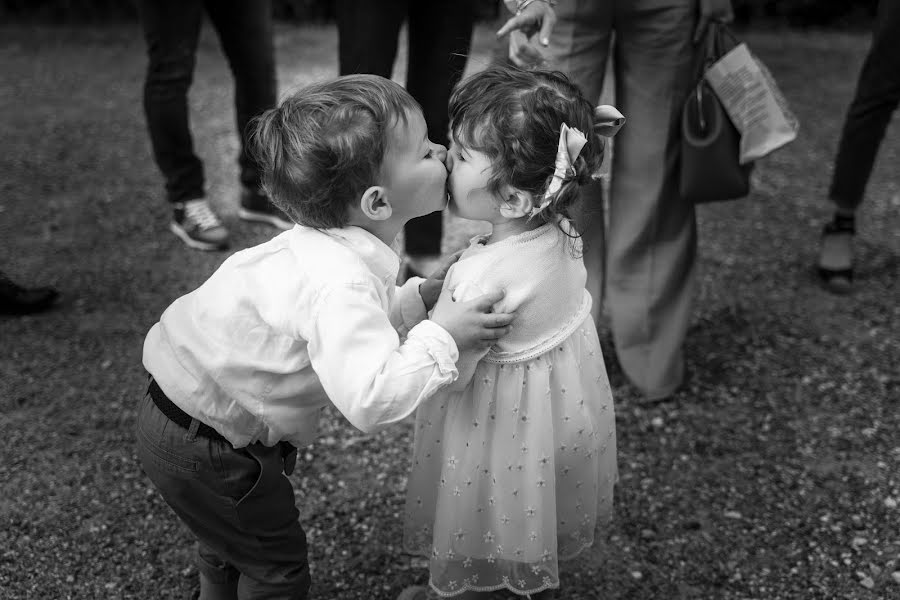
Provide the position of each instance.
(242, 366)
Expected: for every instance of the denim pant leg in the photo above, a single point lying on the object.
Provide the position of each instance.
(876, 99)
(245, 31)
(171, 31)
(238, 503)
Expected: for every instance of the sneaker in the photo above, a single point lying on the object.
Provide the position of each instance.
(198, 226)
(18, 300)
(256, 207)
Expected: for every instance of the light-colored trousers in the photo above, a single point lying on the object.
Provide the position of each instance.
(650, 238)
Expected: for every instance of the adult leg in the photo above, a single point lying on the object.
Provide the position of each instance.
(367, 35)
(171, 30)
(579, 47)
(652, 230)
(438, 51)
(876, 99)
(245, 32)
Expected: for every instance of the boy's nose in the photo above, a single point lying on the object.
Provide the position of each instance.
(448, 160)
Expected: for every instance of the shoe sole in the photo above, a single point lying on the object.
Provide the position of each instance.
(194, 243)
(257, 217)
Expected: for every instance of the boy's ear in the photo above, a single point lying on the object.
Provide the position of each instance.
(374, 204)
(516, 203)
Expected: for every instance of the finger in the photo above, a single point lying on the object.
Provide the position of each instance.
(488, 300)
(511, 25)
(493, 320)
(547, 28)
(494, 334)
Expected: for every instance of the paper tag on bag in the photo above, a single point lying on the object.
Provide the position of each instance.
(752, 99)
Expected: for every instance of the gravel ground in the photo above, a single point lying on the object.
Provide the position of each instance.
(773, 474)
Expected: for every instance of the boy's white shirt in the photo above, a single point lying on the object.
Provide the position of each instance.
(282, 328)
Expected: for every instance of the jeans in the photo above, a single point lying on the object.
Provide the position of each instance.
(172, 30)
(237, 502)
(643, 260)
(876, 99)
(438, 49)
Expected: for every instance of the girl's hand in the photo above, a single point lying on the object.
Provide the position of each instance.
(430, 289)
(472, 324)
(712, 10)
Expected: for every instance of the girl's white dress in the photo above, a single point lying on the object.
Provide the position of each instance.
(514, 466)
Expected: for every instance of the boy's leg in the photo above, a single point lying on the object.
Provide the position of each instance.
(238, 503)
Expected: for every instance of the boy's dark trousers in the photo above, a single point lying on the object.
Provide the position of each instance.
(438, 49)
(172, 31)
(238, 503)
(876, 99)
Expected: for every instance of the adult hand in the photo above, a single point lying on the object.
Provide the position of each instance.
(472, 324)
(538, 16)
(430, 289)
(712, 10)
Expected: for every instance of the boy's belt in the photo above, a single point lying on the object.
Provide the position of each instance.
(178, 416)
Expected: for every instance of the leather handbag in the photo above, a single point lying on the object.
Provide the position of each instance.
(710, 143)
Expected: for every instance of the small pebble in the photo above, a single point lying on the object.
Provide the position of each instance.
(656, 422)
(867, 582)
(637, 575)
(890, 502)
(896, 577)
(732, 514)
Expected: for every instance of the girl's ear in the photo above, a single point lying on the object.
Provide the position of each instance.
(516, 203)
(374, 203)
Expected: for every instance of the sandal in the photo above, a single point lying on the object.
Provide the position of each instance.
(837, 275)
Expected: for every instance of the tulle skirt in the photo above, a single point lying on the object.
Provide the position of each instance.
(514, 473)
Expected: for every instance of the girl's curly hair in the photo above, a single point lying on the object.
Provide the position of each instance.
(514, 116)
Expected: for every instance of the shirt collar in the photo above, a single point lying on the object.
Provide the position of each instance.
(381, 259)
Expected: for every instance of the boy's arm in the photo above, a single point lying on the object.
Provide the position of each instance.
(415, 298)
(367, 373)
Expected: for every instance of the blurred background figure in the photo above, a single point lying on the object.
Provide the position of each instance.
(172, 30)
(16, 299)
(876, 99)
(641, 259)
(439, 43)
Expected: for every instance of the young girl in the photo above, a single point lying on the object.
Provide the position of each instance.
(515, 463)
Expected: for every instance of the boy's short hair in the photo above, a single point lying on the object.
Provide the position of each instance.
(324, 144)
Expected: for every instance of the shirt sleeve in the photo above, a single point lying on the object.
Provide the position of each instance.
(368, 374)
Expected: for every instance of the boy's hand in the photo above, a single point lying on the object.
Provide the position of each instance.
(472, 324)
(430, 289)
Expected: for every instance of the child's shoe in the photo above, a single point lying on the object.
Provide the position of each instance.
(198, 226)
(19, 300)
(256, 207)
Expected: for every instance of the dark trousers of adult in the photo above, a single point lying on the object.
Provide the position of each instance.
(172, 31)
(646, 252)
(876, 99)
(438, 49)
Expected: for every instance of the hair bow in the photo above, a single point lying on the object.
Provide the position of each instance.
(607, 122)
(571, 141)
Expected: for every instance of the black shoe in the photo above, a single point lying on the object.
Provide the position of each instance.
(18, 300)
(256, 207)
